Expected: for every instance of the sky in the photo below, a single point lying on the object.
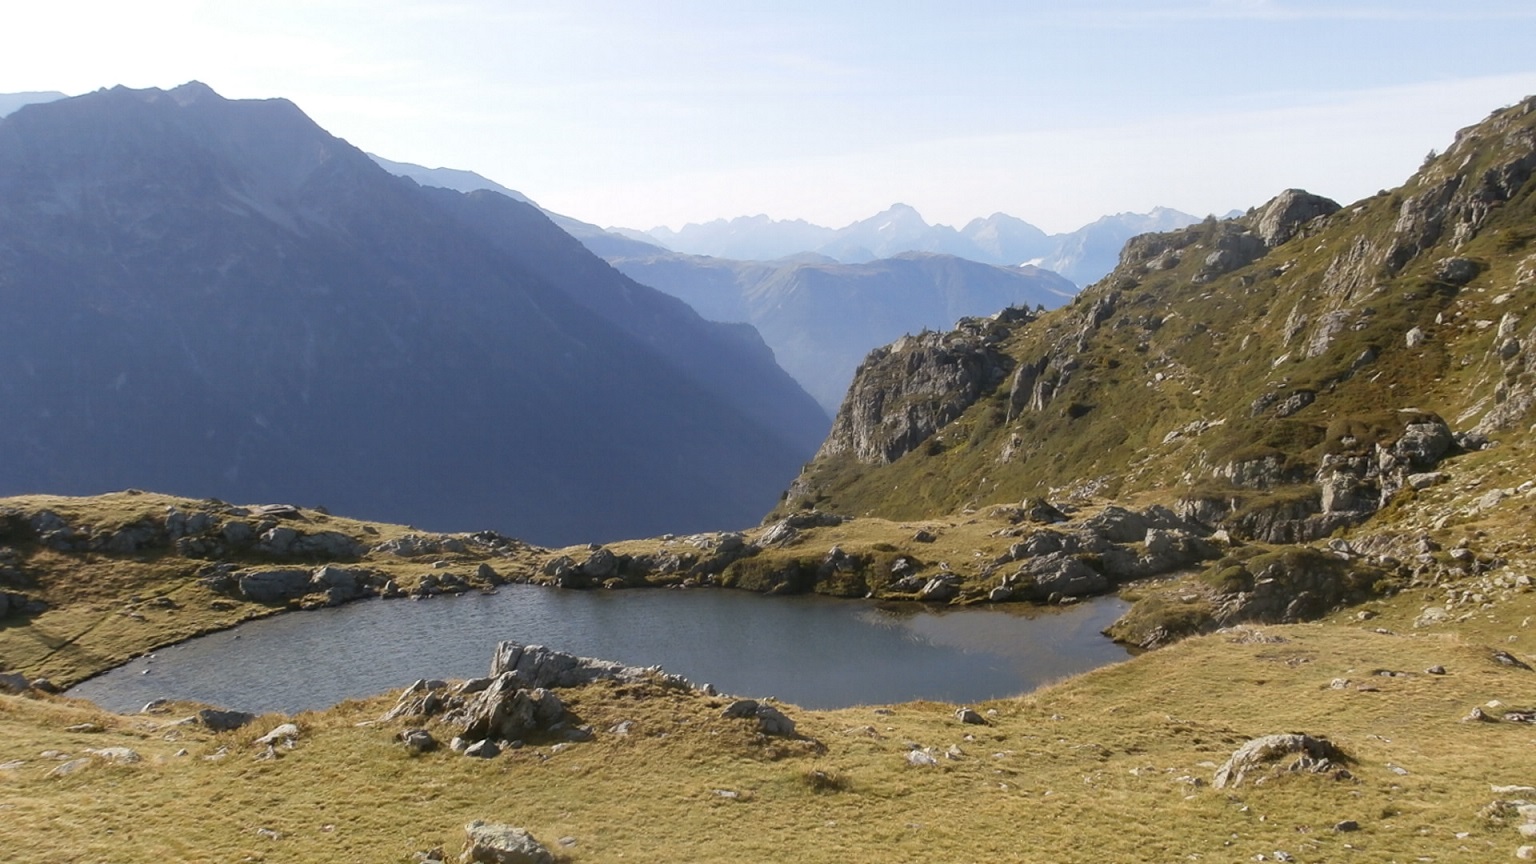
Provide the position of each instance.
(665, 112)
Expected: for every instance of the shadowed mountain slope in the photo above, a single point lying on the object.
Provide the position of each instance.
(218, 298)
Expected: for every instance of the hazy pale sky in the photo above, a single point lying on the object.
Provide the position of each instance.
(673, 111)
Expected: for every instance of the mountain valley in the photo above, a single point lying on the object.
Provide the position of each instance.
(1299, 441)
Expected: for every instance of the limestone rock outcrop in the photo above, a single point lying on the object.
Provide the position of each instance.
(905, 392)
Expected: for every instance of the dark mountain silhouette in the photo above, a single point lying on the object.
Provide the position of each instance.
(218, 298)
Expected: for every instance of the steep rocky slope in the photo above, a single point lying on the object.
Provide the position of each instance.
(1281, 375)
(217, 297)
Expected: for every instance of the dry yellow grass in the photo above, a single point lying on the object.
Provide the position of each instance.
(1113, 765)
(1097, 768)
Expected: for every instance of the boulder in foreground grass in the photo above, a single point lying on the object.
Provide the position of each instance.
(1317, 755)
(492, 843)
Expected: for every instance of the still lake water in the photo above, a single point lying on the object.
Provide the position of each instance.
(816, 652)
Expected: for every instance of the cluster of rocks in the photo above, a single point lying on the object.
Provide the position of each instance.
(1350, 483)
(332, 584)
(1313, 756)
(788, 530)
(515, 702)
(70, 764)
(1096, 554)
(1282, 586)
(684, 562)
(218, 531)
(768, 719)
(1516, 805)
(17, 683)
(1053, 558)
(416, 545)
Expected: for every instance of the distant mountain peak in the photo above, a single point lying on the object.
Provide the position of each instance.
(194, 91)
(1082, 256)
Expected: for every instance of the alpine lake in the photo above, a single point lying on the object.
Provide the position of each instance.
(811, 651)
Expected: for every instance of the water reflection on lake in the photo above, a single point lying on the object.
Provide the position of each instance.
(816, 652)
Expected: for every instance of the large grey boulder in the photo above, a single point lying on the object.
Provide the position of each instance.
(1423, 443)
(1065, 575)
(1316, 755)
(601, 564)
(339, 584)
(1282, 218)
(536, 666)
(273, 586)
(940, 589)
(417, 741)
(331, 545)
(509, 712)
(1118, 525)
(494, 843)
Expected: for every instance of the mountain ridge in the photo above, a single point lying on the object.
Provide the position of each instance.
(1083, 255)
(216, 297)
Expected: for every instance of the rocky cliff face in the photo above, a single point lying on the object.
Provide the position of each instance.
(1281, 375)
(906, 391)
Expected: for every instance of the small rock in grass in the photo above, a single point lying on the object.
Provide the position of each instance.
(969, 715)
(486, 749)
(921, 759)
(417, 741)
(117, 755)
(286, 734)
(70, 767)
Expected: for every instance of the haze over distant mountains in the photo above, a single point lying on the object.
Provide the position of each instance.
(818, 315)
(9, 102)
(1083, 256)
(218, 298)
(821, 317)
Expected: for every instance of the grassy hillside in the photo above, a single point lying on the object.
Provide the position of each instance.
(1207, 349)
